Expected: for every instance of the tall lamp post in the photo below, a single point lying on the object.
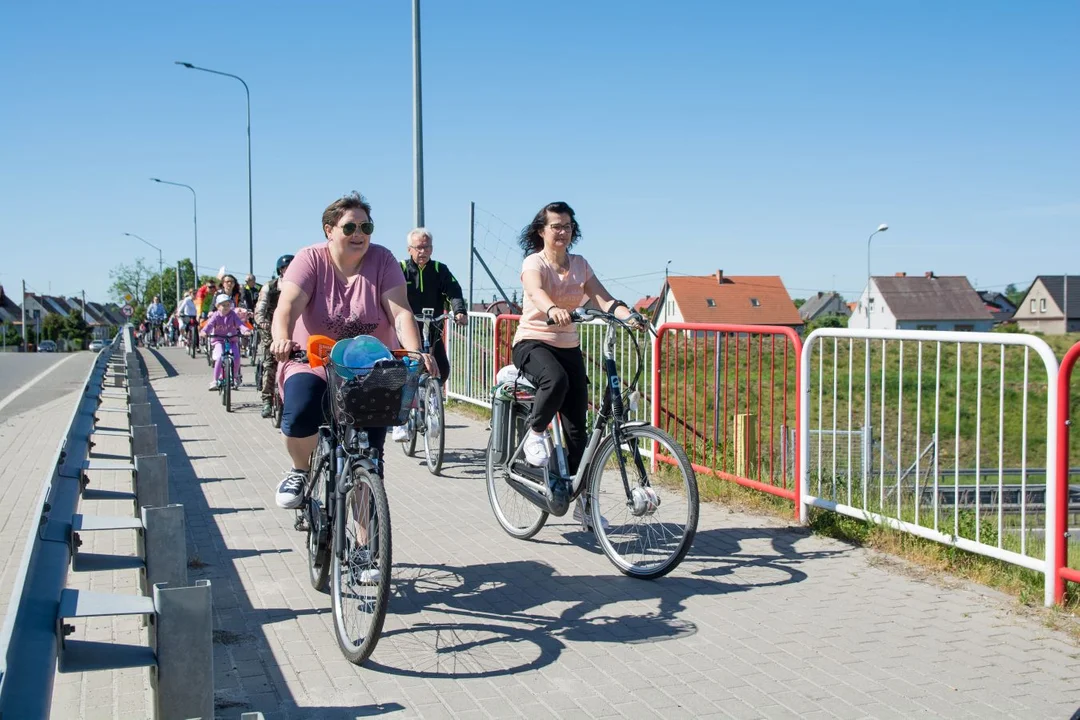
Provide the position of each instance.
(881, 228)
(195, 217)
(418, 120)
(160, 262)
(247, 92)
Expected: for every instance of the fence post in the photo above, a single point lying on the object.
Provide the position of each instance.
(151, 480)
(143, 440)
(163, 547)
(139, 414)
(137, 395)
(182, 639)
(745, 443)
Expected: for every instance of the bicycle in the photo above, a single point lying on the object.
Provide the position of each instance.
(428, 417)
(616, 464)
(275, 398)
(191, 329)
(226, 386)
(344, 510)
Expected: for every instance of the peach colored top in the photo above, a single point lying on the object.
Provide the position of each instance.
(565, 290)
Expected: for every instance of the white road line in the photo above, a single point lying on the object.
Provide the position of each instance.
(30, 383)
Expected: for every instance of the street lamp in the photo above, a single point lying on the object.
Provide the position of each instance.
(195, 216)
(418, 121)
(881, 228)
(161, 264)
(247, 92)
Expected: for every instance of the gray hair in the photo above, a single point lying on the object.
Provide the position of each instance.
(420, 233)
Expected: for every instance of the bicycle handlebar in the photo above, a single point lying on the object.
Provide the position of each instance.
(583, 315)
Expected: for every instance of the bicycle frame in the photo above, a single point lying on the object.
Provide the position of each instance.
(611, 411)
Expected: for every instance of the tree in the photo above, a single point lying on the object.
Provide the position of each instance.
(165, 284)
(75, 328)
(52, 327)
(799, 302)
(1015, 295)
(133, 280)
(10, 334)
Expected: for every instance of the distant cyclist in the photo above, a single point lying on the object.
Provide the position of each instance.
(204, 298)
(189, 316)
(264, 317)
(249, 293)
(155, 318)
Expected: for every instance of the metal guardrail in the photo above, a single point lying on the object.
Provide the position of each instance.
(33, 646)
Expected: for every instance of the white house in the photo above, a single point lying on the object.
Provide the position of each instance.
(930, 302)
(1041, 309)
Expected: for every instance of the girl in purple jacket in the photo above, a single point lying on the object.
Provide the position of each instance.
(224, 322)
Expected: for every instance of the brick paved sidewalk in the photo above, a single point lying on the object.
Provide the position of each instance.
(762, 620)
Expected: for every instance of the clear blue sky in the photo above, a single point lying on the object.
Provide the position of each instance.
(760, 138)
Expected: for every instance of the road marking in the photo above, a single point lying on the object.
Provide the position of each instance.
(30, 383)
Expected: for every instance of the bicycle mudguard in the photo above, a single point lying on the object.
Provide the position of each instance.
(318, 349)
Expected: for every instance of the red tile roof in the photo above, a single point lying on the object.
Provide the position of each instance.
(737, 299)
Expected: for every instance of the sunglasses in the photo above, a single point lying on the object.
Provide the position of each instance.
(365, 227)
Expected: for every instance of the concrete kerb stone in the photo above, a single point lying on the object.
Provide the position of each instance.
(137, 395)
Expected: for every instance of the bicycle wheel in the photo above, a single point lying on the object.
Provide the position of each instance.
(434, 437)
(276, 417)
(318, 518)
(361, 574)
(409, 446)
(259, 375)
(648, 534)
(518, 517)
(226, 398)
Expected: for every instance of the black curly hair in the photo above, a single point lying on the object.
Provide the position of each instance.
(530, 240)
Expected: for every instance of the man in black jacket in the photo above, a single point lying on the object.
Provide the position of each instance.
(432, 285)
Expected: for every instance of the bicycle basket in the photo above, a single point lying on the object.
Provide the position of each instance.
(376, 396)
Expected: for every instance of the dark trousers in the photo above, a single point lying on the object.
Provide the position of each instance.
(438, 351)
(561, 387)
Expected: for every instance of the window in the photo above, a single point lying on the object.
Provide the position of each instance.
(754, 302)
(1032, 304)
(965, 328)
(926, 327)
(1042, 305)
(710, 302)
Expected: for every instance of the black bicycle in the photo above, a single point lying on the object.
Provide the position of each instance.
(344, 511)
(641, 494)
(428, 418)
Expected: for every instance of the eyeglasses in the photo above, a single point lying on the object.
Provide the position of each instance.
(365, 228)
(561, 228)
(420, 248)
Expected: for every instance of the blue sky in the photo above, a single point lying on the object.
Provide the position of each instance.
(757, 138)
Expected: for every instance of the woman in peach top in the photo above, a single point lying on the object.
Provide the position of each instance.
(556, 282)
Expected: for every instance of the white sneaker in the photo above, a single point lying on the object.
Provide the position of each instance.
(290, 492)
(401, 433)
(371, 576)
(584, 517)
(536, 449)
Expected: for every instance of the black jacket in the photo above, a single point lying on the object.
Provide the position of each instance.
(433, 287)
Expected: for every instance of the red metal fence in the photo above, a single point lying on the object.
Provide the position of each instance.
(1061, 527)
(729, 395)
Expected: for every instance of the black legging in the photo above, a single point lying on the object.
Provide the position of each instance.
(561, 387)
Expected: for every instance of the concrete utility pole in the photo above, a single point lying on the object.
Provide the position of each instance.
(24, 315)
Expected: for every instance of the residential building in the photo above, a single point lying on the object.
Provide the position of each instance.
(10, 311)
(1041, 310)
(999, 305)
(647, 305)
(929, 302)
(727, 299)
(822, 304)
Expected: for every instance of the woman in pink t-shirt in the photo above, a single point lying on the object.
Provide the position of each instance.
(555, 283)
(341, 288)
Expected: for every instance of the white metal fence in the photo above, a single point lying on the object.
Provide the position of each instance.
(474, 354)
(938, 405)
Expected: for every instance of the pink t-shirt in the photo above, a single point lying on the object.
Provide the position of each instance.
(565, 290)
(341, 308)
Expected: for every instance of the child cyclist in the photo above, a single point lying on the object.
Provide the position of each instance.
(222, 322)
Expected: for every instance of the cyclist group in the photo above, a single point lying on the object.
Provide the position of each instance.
(348, 286)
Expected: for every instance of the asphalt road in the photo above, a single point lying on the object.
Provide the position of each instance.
(67, 373)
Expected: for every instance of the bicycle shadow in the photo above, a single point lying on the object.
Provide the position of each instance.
(498, 619)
